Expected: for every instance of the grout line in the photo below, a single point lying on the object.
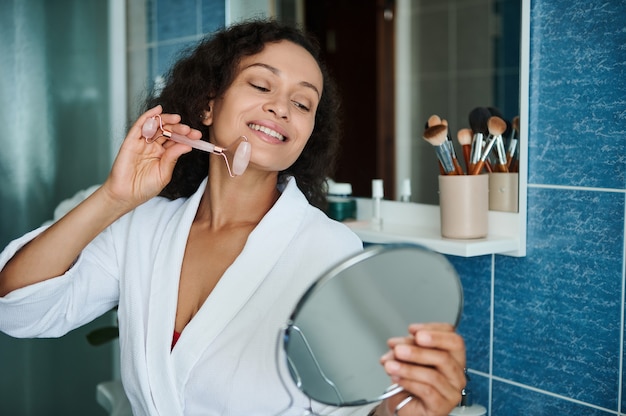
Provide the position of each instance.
(166, 42)
(577, 188)
(621, 340)
(540, 391)
(549, 393)
(491, 325)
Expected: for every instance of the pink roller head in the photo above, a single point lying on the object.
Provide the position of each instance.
(241, 157)
(149, 128)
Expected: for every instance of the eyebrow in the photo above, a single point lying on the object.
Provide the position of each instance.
(277, 72)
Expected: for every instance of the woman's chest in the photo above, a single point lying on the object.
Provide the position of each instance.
(208, 255)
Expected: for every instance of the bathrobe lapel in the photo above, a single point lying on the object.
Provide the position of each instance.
(169, 371)
(167, 399)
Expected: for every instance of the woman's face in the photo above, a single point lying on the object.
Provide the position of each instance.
(272, 101)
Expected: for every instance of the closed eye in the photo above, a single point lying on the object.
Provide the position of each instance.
(298, 104)
(259, 87)
(301, 106)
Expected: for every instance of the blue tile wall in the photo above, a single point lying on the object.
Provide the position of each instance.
(578, 84)
(544, 333)
(176, 19)
(176, 25)
(558, 311)
(511, 400)
(213, 15)
(557, 327)
(475, 274)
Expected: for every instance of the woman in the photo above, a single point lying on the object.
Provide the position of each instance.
(218, 261)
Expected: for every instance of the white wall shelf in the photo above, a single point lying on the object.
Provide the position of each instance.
(419, 224)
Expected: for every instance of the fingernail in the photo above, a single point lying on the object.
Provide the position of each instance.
(403, 351)
(387, 356)
(395, 340)
(392, 366)
(423, 338)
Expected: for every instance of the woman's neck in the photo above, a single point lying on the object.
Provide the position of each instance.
(243, 199)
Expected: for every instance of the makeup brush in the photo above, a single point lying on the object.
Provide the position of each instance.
(496, 112)
(499, 146)
(478, 124)
(496, 126)
(434, 120)
(502, 165)
(457, 167)
(464, 137)
(437, 136)
(512, 150)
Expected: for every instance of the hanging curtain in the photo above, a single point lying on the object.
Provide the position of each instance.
(55, 140)
(54, 98)
(26, 168)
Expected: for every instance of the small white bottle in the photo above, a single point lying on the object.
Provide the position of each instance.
(377, 197)
(405, 191)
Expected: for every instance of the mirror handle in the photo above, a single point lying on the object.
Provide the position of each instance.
(402, 404)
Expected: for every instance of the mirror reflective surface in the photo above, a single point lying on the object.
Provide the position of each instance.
(452, 56)
(339, 330)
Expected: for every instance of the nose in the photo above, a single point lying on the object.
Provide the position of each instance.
(278, 106)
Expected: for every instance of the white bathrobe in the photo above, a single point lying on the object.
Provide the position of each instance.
(225, 362)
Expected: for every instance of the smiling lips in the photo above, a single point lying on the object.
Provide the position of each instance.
(267, 131)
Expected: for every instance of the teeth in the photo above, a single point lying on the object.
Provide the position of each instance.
(267, 131)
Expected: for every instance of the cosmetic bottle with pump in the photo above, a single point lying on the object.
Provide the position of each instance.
(377, 197)
(405, 192)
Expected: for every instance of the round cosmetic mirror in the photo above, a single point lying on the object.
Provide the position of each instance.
(338, 331)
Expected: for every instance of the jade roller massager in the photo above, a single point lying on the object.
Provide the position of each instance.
(240, 159)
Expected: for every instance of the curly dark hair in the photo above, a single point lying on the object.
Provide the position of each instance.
(206, 71)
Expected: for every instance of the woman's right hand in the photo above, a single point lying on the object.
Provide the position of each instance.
(141, 169)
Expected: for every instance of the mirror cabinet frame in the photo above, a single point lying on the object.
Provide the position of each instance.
(419, 223)
(408, 222)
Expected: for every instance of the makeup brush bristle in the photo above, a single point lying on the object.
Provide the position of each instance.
(433, 120)
(516, 124)
(496, 126)
(436, 135)
(464, 136)
(478, 120)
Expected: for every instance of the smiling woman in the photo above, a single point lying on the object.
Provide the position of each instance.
(289, 89)
(218, 229)
(195, 276)
(288, 86)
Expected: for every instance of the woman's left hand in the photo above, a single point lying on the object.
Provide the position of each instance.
(430, 365)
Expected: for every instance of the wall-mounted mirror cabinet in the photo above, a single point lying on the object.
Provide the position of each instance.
(396, 63)
(452, 56)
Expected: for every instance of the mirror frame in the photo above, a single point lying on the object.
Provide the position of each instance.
(320, 286)
(403, 112)
(515, 224)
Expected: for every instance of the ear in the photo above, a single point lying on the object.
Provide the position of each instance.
(207, 114)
